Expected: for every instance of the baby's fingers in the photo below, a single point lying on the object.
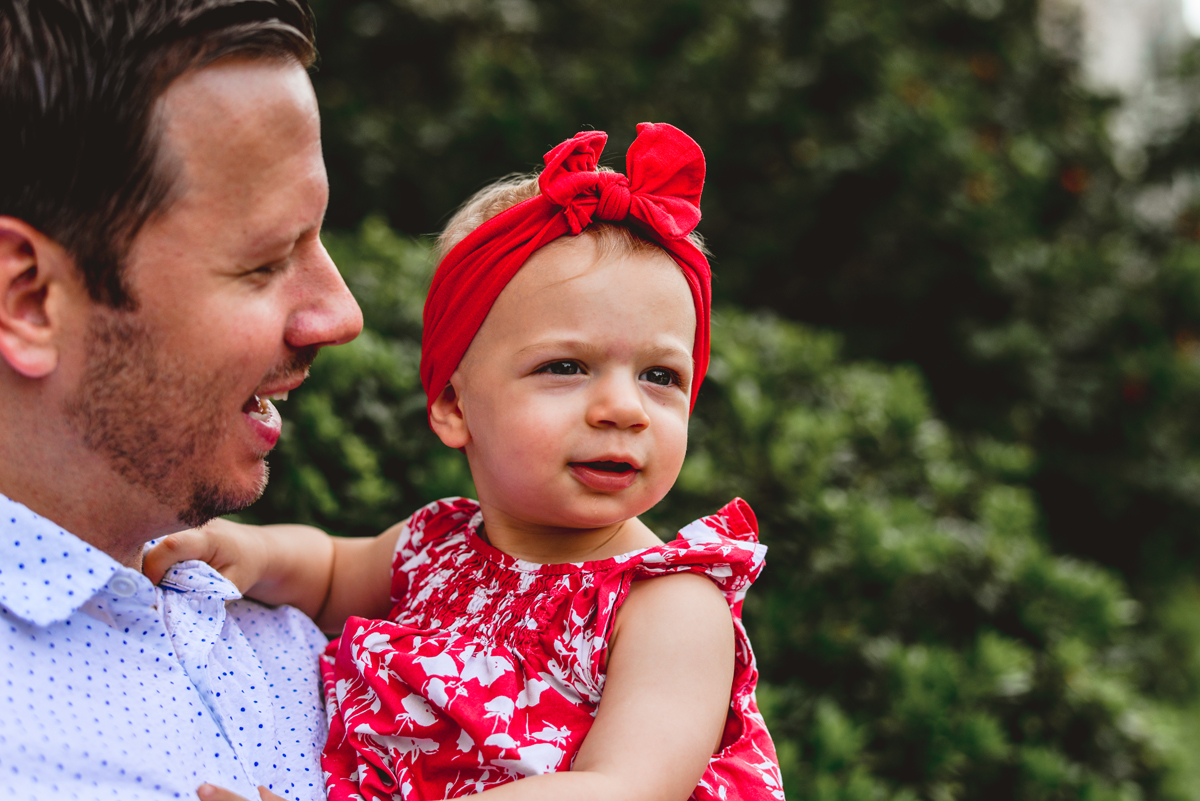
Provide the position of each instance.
(179, 547)
(210, 792)
(236, 551)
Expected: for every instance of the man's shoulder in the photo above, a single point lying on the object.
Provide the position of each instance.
(46, 573)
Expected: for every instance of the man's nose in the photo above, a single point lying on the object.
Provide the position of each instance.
(617, 402)
(328, 314)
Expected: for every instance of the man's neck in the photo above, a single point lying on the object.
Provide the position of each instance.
(47, 470)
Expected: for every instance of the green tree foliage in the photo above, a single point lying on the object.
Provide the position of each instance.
(925, 177)
(916, 637)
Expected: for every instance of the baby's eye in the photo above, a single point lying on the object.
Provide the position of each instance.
(561, 368)
(661, 376)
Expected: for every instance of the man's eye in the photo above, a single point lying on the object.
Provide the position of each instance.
(561, 368)
(661, 376)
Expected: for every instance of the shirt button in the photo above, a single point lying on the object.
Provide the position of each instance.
(123, 586)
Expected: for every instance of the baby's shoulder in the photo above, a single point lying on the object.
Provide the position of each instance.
(723, 546)
(695, 583)
(431, 523)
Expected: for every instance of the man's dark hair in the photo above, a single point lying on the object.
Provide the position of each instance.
(79, 80)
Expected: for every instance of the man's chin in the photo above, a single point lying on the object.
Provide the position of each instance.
(210, 501)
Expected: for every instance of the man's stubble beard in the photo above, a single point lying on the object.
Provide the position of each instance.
(158, 422)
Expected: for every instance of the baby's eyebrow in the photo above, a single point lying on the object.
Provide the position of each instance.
(570, 345)
(587, 349)
(668, 351)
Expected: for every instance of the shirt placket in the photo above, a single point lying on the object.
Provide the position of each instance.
(230, 679)
(136, 608)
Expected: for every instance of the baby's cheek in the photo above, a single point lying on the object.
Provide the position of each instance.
(674, 437)
(520, 446)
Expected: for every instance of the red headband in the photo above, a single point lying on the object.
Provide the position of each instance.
(661, 197)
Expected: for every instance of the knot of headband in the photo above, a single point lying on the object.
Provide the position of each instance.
(662, 191)
(659, 195)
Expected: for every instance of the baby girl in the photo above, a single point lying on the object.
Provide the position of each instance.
(542, 642)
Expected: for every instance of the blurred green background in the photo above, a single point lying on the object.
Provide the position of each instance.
(956, 356)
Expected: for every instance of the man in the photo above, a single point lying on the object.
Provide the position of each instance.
(161, 277)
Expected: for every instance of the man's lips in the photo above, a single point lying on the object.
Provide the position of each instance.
(261, 404)
(605, 475)
(262, 415)
(260, 401)
(279, 388)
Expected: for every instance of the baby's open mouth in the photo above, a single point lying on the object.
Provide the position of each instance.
(606, 475)
(608, 467)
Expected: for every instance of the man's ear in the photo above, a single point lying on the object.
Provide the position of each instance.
(31, 265)
(447, 419)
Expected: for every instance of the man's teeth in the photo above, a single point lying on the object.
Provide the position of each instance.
(260, 407)
(262, 412)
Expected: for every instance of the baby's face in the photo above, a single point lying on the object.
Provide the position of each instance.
(575, 391)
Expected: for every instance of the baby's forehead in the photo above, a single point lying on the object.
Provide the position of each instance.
(571, 290)
(578, 258)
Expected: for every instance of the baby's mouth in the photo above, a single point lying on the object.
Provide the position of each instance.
(608, 467)
(606, 475)
(261, 408)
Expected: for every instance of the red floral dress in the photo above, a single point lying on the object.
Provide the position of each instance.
(490, 668)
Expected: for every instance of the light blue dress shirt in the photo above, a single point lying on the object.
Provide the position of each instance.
(112, 688)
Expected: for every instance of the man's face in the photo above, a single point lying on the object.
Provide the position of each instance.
(234, 290)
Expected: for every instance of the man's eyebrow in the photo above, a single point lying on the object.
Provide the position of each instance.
(273, 246)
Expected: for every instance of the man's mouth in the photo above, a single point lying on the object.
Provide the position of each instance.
(261, 409)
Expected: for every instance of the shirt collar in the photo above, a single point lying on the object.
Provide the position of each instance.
(46, 573)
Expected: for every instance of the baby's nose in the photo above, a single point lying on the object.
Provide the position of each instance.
(618, 404)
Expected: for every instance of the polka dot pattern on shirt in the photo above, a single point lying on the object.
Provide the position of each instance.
(46, 572)
(111, 688)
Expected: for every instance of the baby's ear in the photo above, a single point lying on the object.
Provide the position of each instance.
(447, 419)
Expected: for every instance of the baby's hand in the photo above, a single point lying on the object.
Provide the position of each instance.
(210, 792)
(238, 552)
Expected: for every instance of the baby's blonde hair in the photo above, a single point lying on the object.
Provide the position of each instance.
(612, 239)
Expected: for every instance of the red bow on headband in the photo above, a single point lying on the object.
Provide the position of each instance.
(666, 174)
(660, 196)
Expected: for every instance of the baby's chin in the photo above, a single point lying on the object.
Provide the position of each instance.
(607, 511)
(544, 517)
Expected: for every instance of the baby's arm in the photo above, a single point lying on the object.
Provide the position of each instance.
(666, 698)
(327, 578)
